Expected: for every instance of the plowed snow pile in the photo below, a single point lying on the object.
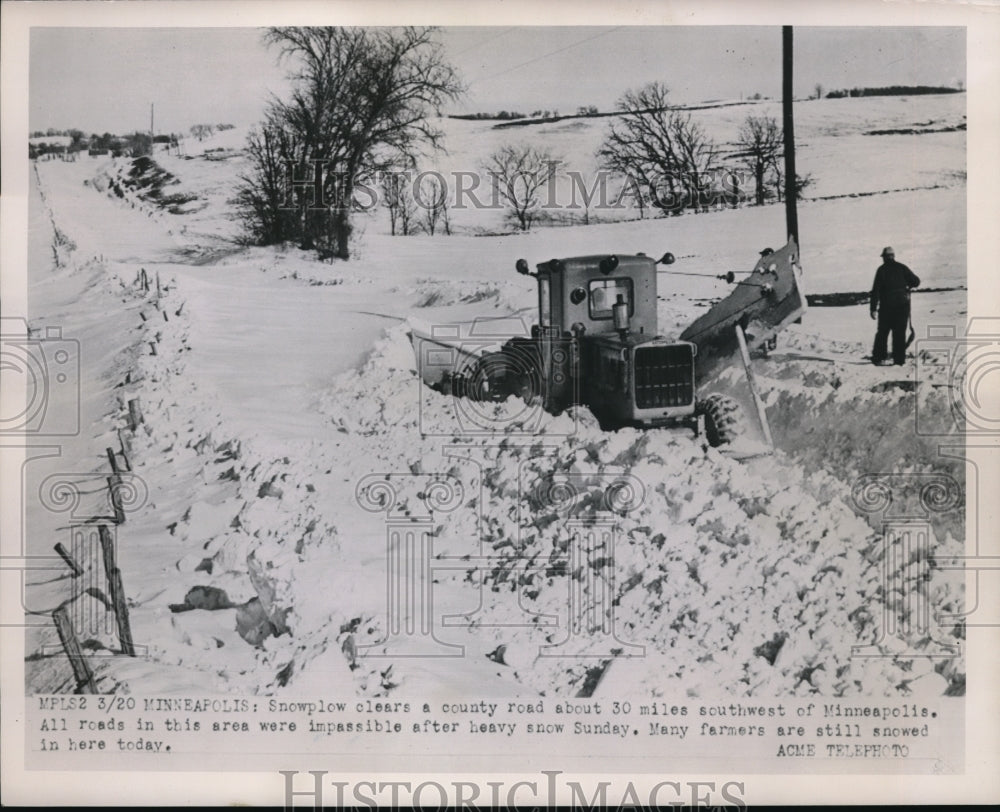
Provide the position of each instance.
(742, 577)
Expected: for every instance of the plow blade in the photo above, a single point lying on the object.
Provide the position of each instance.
(446, 350)
(763, 304)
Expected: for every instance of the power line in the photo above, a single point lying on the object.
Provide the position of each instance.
(483, 42)
(546, 55)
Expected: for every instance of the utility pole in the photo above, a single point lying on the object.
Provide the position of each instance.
(152, 132)
(791, 212)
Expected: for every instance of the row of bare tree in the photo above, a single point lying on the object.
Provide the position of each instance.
(662, 158)
(416, 203)
(667, 157)
(358, 119)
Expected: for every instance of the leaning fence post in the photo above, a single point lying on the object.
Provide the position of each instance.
(68, 558)
(81, 669)
(116, 498)
(117, 590)
(124, 450)
(113, 461)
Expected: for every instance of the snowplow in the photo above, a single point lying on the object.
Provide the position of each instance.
(597, 344)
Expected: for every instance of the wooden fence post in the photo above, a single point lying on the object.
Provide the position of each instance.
(125, 450)
(81, 669)
(117, 590)
(70, 561)
(134, 413)
(116, 498)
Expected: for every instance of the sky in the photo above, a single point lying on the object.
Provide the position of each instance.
(105, 79)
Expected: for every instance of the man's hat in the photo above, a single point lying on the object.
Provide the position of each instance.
(887, 251)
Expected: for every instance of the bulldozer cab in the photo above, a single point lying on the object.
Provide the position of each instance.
(578, 296)
(598, 341)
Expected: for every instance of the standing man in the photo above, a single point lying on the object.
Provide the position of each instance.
(890, 300)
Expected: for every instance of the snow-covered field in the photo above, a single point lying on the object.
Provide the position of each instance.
(280, 385)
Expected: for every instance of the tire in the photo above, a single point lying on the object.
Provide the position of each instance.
(724, 419)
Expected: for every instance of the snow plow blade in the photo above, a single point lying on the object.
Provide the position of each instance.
(444, 350)
(763, 304)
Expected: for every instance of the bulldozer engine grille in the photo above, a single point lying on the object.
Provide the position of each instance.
(664, 376)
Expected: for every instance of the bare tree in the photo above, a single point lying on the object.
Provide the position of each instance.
(267, 211)
(697, 153)
(397, 197)
(660, 149)
(432, 197)
(760, 143)
(519, 173)
(361, 101)
(819, 91)
(202, 131)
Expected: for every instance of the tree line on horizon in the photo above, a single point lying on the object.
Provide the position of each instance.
(892, 90)
(135, 144)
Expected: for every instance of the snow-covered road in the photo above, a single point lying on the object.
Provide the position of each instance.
(265, 358)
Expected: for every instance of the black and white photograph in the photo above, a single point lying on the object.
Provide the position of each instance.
(593, 407)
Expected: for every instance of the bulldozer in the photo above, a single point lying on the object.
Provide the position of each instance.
(597, 344)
